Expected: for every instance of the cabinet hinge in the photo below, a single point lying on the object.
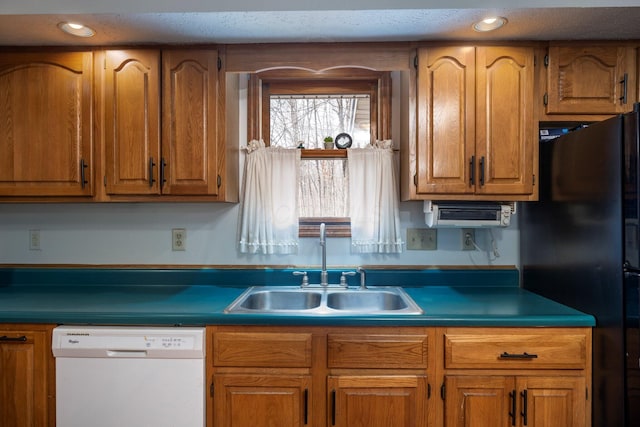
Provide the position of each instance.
(534, 179)
(219, 181)
(415, 180)
(428, 390)
(546, 60)
(545, 98)
(219, 63)
(415, 62)
(211, 390)
(443, 392)
(104, 180)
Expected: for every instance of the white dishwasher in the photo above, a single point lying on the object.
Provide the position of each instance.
(129, 376)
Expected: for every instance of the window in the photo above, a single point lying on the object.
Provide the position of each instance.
(297, 109)
(299, 120)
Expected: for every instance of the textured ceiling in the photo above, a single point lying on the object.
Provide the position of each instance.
(261, 26)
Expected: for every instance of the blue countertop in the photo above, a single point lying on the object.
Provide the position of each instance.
(133, 298)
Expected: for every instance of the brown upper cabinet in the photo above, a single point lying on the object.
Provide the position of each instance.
(46, 140)
(162, 118)
(475, 125)
(590, 79)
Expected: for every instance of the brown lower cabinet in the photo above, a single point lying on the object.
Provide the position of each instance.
(523, 377)
(377, 400)
(298, 376)
(494, 401)
(262, 400)
(27, 381)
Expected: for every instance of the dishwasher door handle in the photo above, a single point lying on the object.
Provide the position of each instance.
(126, 353)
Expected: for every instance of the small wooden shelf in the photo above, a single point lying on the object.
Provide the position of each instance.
(319, 153)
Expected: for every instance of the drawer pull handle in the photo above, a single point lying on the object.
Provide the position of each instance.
(524, 355)
(5, 338)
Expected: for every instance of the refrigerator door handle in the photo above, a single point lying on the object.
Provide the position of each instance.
(630, 271)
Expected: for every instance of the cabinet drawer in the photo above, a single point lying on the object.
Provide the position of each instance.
(263, 349)
(376, 351)
(515, 349)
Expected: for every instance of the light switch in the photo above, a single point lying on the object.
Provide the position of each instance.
(421, 239)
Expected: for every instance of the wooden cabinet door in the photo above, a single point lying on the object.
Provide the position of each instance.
(475, 133)
(552, 401)
(190, 105)
(504, 120)
(494, 401)
(479, 401)
(261, 400)
(446, 120)
(590, 79)
(377, 401)
(24, 378)
(132, 121)
(46, 138)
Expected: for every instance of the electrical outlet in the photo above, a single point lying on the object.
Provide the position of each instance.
(178, 239)
(468, 239)
(424, 239)
(34, 240)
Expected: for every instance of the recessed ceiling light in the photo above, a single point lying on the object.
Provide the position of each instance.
(490, 24)
(74, 29)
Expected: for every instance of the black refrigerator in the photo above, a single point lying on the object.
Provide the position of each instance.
(579, 245)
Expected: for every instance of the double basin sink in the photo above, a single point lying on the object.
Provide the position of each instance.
(295, 300)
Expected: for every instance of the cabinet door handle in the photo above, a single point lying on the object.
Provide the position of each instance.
(306, 406)
(512, 412)
(524, 355)
(151, 165)
(5, 338)
(624, 83)
(472, 171)
(481, 171)
(523, 394)
(163, 167)
(83, 177)
(333, 407)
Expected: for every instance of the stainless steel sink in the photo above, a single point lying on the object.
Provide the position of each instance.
(276, 300)
(367, 300)
(289, 300)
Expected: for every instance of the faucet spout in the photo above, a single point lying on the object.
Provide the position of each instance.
(324, 276)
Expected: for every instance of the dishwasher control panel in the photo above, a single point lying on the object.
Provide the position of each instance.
(69, 341)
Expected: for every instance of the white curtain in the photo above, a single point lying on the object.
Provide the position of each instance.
(269, 211)
(373, 200)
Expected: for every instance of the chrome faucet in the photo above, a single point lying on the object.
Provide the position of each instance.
(324, 276)
(363, 278)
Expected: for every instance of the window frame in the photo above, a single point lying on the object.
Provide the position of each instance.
(302, 82)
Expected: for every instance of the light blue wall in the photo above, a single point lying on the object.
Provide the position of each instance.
(140, 233)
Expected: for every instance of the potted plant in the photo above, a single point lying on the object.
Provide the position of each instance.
(328, 143)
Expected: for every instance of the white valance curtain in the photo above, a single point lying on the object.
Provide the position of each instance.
(373, 199)
(269, 211)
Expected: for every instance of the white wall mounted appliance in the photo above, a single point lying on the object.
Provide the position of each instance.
(468, 214)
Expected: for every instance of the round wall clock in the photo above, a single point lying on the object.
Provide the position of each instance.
(343, 140)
